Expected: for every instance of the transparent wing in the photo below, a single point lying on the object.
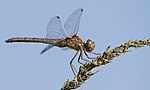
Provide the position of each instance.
(46, 48)
(54, 28)
(65, 48)
(72, 24)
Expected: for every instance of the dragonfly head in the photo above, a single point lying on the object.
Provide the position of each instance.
(89, 45)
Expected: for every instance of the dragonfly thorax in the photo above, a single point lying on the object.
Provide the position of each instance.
(74, 42)
(89, 45)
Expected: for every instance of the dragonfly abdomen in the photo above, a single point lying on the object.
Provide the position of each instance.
(28, 39)
(24, 39)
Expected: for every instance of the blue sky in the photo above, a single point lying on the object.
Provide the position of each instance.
(107, 22)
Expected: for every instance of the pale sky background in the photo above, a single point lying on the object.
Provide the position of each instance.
(107, 22)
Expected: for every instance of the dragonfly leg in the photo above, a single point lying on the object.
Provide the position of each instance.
(88, 56)
(71, 65)
(94, 53)
(81, 56)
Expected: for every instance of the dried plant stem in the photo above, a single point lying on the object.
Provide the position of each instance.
(106, 57)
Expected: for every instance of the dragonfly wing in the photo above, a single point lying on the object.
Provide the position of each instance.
(46, 48)
(65, 48)
(72, 24)
(54, 31)
(54, 28)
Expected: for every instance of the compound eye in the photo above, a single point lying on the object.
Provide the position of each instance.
(89, 45)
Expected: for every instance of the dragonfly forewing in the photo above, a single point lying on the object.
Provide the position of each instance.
(72, 24)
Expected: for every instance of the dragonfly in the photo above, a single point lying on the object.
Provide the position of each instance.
(63, 37)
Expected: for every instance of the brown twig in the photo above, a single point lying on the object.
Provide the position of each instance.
(85, 70)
